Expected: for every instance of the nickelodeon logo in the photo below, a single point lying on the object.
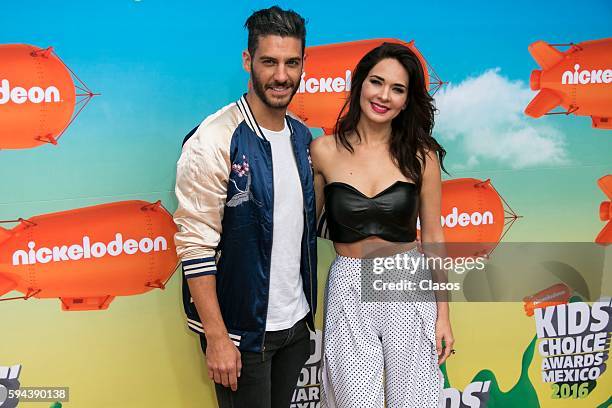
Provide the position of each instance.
(20, 95)
(88, 256)
(473, 212)
(325, 85)
(562, 82)
(595, 76)
(465, 219)
(86, 250)
(38, 96)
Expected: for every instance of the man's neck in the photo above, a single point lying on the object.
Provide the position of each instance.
(266, 117)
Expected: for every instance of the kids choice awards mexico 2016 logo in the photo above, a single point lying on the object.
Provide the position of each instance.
(9, 383)
(573, 341)
(474, 395)
(306, 393)
(12, 392)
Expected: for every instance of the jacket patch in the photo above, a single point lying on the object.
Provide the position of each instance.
(240, 172)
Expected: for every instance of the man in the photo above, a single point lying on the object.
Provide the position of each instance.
(246, 218)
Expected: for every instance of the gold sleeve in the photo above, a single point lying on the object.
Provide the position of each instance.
(201, 188)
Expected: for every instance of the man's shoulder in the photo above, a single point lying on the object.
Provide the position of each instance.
(217, 127)
(296, 121)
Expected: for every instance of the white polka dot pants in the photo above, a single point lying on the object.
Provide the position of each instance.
(377, 352)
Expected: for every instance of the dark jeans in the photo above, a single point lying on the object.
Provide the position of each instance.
(268, 379)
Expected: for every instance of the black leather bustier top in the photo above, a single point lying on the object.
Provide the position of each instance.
(390, 214)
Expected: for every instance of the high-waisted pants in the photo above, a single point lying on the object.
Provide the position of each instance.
(381, 352)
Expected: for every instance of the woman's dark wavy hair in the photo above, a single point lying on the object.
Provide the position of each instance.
(411, 129)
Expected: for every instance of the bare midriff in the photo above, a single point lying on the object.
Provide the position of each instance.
(372, 247)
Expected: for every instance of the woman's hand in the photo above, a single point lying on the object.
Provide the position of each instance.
(444, 332)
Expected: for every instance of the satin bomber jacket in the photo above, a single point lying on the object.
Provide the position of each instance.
(225, 193)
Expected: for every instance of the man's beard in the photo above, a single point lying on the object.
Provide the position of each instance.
(260, 90)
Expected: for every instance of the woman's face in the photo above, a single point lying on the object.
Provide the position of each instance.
(384, 92)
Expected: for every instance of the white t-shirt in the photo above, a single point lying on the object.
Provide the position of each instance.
(287, 303)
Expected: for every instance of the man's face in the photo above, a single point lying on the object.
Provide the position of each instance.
(276, 69)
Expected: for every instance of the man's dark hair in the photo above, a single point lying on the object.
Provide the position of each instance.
(275, 21)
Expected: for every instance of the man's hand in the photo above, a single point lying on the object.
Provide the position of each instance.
(223, 361)
(222, 357)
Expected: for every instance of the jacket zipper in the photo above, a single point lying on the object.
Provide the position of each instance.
(309, 265)
(263, 341)
(307, 230)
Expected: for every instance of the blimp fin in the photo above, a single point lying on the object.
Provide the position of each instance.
(86, 303)
(545, 55)
(605, 211)
(605, 183)
(602, 123)
(6, 285)
(543, 102)
(605, 236)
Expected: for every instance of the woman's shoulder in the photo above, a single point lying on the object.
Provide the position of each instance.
(323, 145)
(322, 150)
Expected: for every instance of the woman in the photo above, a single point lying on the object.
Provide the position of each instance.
(379, 171)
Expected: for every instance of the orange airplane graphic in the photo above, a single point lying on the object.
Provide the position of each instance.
(579, 79)
(558, 294)
(37, 96)
(326, 80)
(605, 210)
(88, 256)
(474, 216)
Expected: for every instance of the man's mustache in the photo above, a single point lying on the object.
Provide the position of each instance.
(289, 84)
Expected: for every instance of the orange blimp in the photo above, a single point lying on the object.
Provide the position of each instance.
(578, 79)
(38, 96)
(605, 210)
(88, 256)
(326, 80)
(555, 295)
(474, 216)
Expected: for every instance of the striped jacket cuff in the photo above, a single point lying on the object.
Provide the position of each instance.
(197, 327)
(199, 267)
